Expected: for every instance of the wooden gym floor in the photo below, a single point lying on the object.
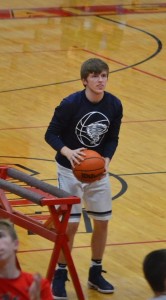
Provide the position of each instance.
(41, 49)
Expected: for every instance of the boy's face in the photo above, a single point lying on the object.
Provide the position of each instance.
(96, 82)
(8, 246)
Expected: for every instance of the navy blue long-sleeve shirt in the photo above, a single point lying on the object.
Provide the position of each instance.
(77, 123)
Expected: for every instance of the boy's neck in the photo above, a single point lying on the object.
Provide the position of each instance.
(93, 97)
(9, 271)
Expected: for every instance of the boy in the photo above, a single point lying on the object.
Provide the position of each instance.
(154, 268)
(14, 283)
(90, 119)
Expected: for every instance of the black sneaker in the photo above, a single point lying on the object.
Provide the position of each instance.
(58, 284)
(97, 282)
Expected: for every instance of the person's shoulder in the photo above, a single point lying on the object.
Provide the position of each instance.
(74, 96)
(26, 274)
(113, 101)
(112, 97)
(29, 277)
(72, 100)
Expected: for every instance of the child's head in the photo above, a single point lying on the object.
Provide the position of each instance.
(93, 65)
(154, 268)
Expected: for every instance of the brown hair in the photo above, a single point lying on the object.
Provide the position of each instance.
(9, 227)
(93, 65)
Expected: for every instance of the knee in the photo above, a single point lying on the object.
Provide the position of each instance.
(102, 225)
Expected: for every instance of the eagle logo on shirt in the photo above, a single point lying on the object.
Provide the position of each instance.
(90, 130)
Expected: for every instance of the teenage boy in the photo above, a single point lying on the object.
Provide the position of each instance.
(90, 119)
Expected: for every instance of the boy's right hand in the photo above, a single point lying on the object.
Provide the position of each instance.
(74, 156)
(35, 288)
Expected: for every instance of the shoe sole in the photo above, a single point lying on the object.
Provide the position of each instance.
(59, 298)
(95, 287)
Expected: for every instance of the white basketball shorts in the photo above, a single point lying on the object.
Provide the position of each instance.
(95, 197)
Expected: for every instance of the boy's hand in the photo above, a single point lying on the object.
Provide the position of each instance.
(107, 161)
(35, 288)
(74, 156)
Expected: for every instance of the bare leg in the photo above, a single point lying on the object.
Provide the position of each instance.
(99, 238)
(98, 243)
(71, 231)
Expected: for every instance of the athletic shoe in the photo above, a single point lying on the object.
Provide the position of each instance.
(97, 282)
(58, 284)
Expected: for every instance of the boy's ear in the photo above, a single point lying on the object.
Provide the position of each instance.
(16, 245)
(84, 81)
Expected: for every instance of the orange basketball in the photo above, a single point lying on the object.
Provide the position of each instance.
(91, 168)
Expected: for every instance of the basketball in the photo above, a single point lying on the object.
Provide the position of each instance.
(91, 168)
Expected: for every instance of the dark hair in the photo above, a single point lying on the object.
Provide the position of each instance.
(8, 226)
(154, 267)
(93, 65)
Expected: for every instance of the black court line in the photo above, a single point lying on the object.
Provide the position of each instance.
(159, 48)
(45, 126)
